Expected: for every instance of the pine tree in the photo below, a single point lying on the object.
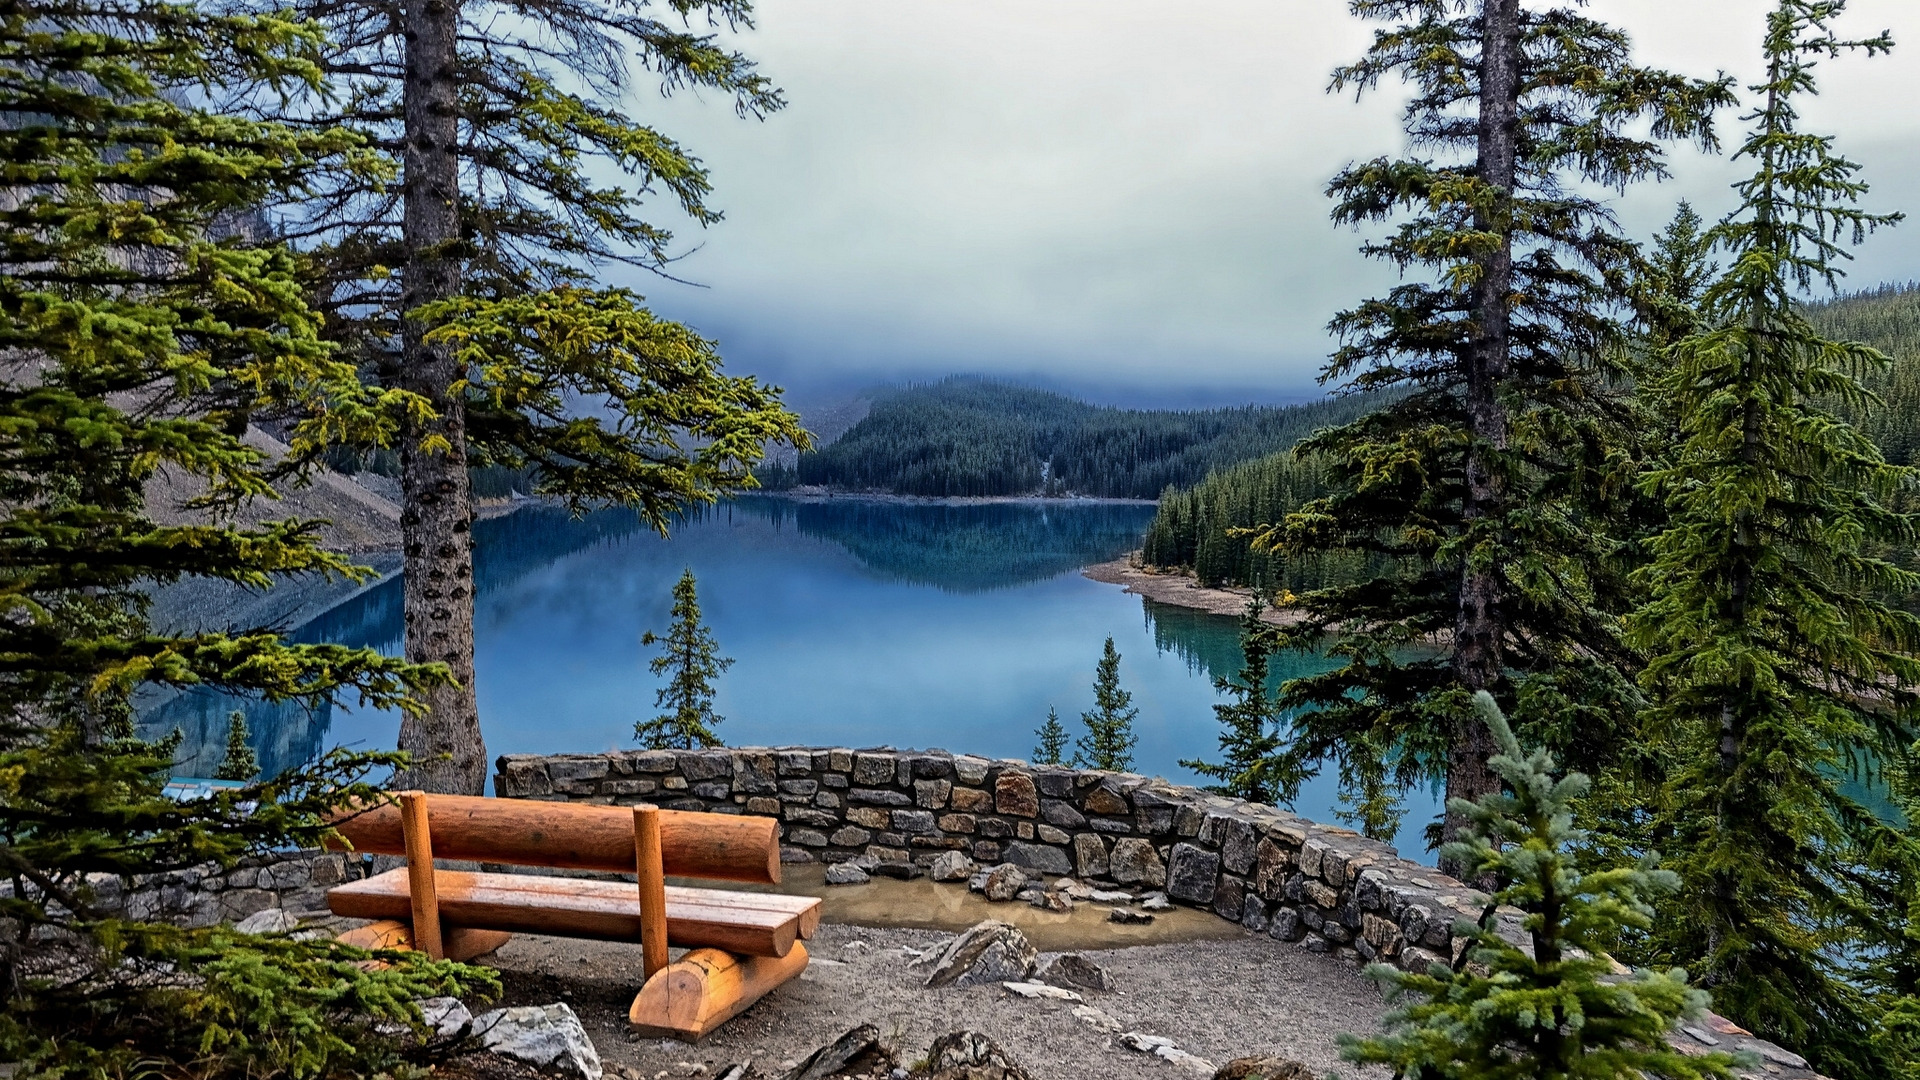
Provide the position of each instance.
(1472, 487)
(690, 660)
(1108, 743)
(1555, 1010)
(141, 333)
(1779, 660)
(239, 762)
(1053, 740)
(1250, 737)
(521, 178)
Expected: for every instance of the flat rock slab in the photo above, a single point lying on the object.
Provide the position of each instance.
(990, 952)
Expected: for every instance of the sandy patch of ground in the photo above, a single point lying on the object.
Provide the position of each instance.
(1182, 590)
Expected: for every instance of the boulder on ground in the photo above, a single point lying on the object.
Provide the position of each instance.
(951, 866)
(1051, 900)
(546, 1036)
(270, 921)
(446, 1017)
(857, 1053)
(845, 873)
(1073, 971)
(969, 1055)
(1263, 1068)
(1128, 917)
(988, 952)
(1004, 882)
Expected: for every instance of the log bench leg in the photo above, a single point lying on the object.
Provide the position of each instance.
(458, 942)
(707, 987)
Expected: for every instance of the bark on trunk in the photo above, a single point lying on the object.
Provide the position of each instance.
(437, 520)
(1480, 624)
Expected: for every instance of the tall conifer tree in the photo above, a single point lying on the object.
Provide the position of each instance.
(1472, 486)
(1108, 743)
(473, 279)
(691, 660)
(1250, 737)
(138, 333)
(1778, 661)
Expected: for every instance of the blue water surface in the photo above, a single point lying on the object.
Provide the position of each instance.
(851, 623)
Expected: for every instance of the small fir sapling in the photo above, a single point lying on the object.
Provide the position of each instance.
(1557, 1011)
(1053, 740)
(691, 661)
(1108, 743)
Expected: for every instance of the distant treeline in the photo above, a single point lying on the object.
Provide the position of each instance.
(1191, 530)
(971, 437)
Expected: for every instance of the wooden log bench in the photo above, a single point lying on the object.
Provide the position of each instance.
(741, 944)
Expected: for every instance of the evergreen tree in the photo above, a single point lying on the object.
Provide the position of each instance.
(690, 660)
(1555, 1012)
(1108, 743)
(140, 333)
(1250, 737)
(1053, 740)
(1474, 487)
(1779, 661)
(239, 762)
(471, 277)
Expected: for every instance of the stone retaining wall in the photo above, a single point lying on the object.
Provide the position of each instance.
(203, 896)
(1329, 889)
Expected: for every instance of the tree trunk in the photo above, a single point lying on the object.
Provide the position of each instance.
(436, 522)
(1480, 625)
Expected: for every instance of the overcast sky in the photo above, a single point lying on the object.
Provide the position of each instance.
(1124, 197)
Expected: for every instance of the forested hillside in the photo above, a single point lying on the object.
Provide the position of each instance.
(970, 437)
(1191, 530)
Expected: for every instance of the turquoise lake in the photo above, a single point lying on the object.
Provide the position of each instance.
(851, 623)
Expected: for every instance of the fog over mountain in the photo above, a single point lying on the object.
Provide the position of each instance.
(1123, 198)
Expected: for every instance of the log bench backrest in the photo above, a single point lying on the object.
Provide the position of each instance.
(569, 836)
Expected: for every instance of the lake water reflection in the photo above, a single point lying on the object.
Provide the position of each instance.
(852, 623)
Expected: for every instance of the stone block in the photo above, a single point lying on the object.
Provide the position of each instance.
(577, 767)
(1312, 852)
(1111, 825)
(939, 843)
(913, 821)
(1285, 925)
(1192, 873)
(850, 836)
(674, 783)
(1061, 813)
(986, 851)
(1270, 866)
(713, 790)
(971, 800)
(931, 767)
(1322, 895)
(807, 838)
(1050, 835)
(802, 815)
(653, 761)
(1333, 867)
(1135, 862)
(879, 797)
(1253, 914)
(799, 787)
(1414, 958)
(1055, 783)
(840, 760)
(1090, 856)
(931, 794)
(764, 806)
(1230, 898)
(1153, 812)
(868, 817)
(1187, 820)
(329, 869)
(1023, 829)
(836, 781)
(826, 800)
(880, 853)
(874, 769)
(1381, 933)
(970, 769)
(994, 828)
(795, 762)
(1015, 794)
(1104, 800)
(891, 839)
(706, 765)
(755, 773)
(1041, 857)
(291, 874)
(955, 823)
(1237, 846)
(622, 788)
(791, 854)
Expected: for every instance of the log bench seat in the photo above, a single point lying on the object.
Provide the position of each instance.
(741, 944)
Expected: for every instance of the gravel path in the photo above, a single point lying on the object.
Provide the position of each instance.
(1219, 999)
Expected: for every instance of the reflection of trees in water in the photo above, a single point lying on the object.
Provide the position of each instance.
(964, 548)
(286, 734)
(1210, 644)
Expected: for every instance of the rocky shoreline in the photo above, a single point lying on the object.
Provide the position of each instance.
(1182, 589)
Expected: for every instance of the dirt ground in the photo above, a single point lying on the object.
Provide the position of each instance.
(1216, 997)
